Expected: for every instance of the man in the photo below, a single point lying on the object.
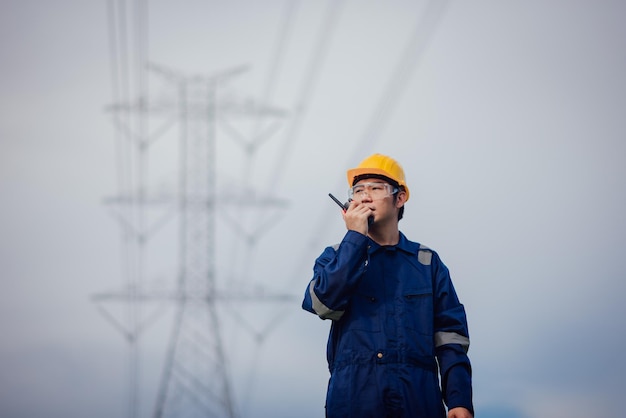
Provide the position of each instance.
(397, 324)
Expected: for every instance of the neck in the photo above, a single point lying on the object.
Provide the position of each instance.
(381, 235)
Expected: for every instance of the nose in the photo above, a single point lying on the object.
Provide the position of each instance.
(365, 196)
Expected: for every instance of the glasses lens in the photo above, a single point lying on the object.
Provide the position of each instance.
(373, 190)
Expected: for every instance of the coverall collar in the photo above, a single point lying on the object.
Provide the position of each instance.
(403, 244)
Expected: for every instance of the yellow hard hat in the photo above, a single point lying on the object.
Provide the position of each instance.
(379, 165)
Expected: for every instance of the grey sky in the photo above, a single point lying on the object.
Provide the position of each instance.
(510, 126)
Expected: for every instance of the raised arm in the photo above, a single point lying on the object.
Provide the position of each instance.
(336, 274)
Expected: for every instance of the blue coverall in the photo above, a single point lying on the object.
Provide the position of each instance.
(396, 325)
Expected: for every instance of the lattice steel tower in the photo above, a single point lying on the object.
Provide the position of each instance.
(195, 379)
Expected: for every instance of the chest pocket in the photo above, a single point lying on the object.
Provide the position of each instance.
(417, 309)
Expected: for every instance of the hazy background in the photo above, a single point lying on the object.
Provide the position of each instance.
(509, 119)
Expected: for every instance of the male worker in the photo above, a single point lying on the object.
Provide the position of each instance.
(396, 320)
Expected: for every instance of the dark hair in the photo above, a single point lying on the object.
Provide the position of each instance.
(388, 180)
(395, 198)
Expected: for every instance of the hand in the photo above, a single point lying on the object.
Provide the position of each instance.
(356, 217)
(459, 412)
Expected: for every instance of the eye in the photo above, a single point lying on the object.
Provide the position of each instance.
(377, 186)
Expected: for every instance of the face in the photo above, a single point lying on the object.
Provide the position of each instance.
(379, 196)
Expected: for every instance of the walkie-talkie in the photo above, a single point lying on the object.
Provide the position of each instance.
(343, 206)
(346, 205)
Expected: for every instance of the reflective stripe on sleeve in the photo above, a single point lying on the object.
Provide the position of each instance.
(442, 338)
(320, 309)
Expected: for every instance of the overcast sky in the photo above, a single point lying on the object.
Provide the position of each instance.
(508, 117)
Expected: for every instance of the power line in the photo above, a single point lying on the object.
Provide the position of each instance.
(399, 78)
(126, 172)
(386, 105)
(282, 39)
(307, 86)
(259, 135)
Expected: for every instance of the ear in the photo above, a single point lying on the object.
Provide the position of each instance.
(401, 199)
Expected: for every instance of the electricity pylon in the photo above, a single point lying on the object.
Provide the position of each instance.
(195, 380)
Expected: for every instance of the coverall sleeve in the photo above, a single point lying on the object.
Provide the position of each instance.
(336, 274)
(451, 341)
